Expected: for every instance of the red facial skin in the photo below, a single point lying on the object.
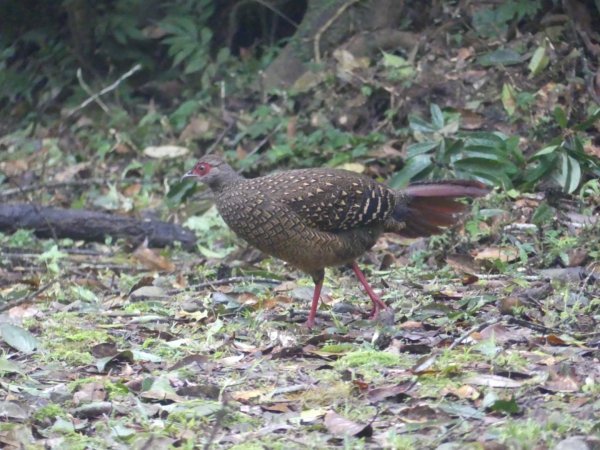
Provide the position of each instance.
(201, 169)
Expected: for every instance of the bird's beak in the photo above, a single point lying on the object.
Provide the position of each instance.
(189, 174)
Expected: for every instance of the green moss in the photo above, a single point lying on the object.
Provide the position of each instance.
(69, 340)
(369, 359)
(75, 385)
(117, 389)
(50, 411)
(521, 434)
(71, 357)
(338, 348)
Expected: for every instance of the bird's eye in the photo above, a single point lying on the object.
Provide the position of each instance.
(202, 169)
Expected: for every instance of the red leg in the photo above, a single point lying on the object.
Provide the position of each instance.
(315, 304)
(377, 303)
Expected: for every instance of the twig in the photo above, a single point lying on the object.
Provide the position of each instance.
(219, 139)
(88, 90)
(107, 89)
(258, 146)
(323, 29)
(474, 329)
(25, 299)
(290, 389)
(277, 12)
(230, 280)
(428, 362)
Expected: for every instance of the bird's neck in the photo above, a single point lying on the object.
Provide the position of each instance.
(227, 178)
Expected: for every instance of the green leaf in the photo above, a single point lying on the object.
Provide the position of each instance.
(508, 97)
(463, 411)
(543, 214)
(145, 356)
(479, 164)
(589, 122)
(8, 367)
(545, 151)
(539, 61)
(437, 117)
(561, 117)
(500, 57)
(419, 148)
(420, 125)
(179, 192)
(196, 63)
(486, 169)
(484, 138)
(401, 66)
(391, 60)
(505, 406)
(563, 174)
(546, 164)
(574, 174)
(102, 363)
(18, 338)
(413, 167)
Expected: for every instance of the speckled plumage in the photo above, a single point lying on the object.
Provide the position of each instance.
(317, 218)
(312, 218)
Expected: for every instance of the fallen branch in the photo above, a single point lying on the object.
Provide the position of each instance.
(92, 225)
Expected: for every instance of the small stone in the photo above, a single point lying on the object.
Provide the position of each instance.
(573, 443)
(92, 410)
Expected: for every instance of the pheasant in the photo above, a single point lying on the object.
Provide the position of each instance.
(322, 217)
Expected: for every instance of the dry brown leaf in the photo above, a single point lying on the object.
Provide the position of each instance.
(340, 426)
(121, 148)
(198, 127)
(411, 325)
(152, 260)
(504, 254)
(465, 53)
(278, 407)
(291, 128)
(498, 332)
(465, 392)
(398, 392)
(419, 414)
(506, 305)
(70, 172)
(132, 190)
(387, 151)
(14, 167)
(245, 396)
(90, 392)
(561, 383)
(240, 152)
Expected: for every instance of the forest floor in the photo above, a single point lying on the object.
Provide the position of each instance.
(491, 340)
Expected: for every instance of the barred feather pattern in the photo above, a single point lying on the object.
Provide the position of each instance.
(306, 217)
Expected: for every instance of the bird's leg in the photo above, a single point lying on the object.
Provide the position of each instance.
(377, 303)
(318, 278)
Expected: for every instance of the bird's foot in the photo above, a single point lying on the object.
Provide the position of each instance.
(374, 311)
(310, 323)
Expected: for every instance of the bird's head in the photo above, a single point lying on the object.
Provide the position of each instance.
(212, 171)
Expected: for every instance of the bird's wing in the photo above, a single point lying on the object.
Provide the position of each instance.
(329, 199)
